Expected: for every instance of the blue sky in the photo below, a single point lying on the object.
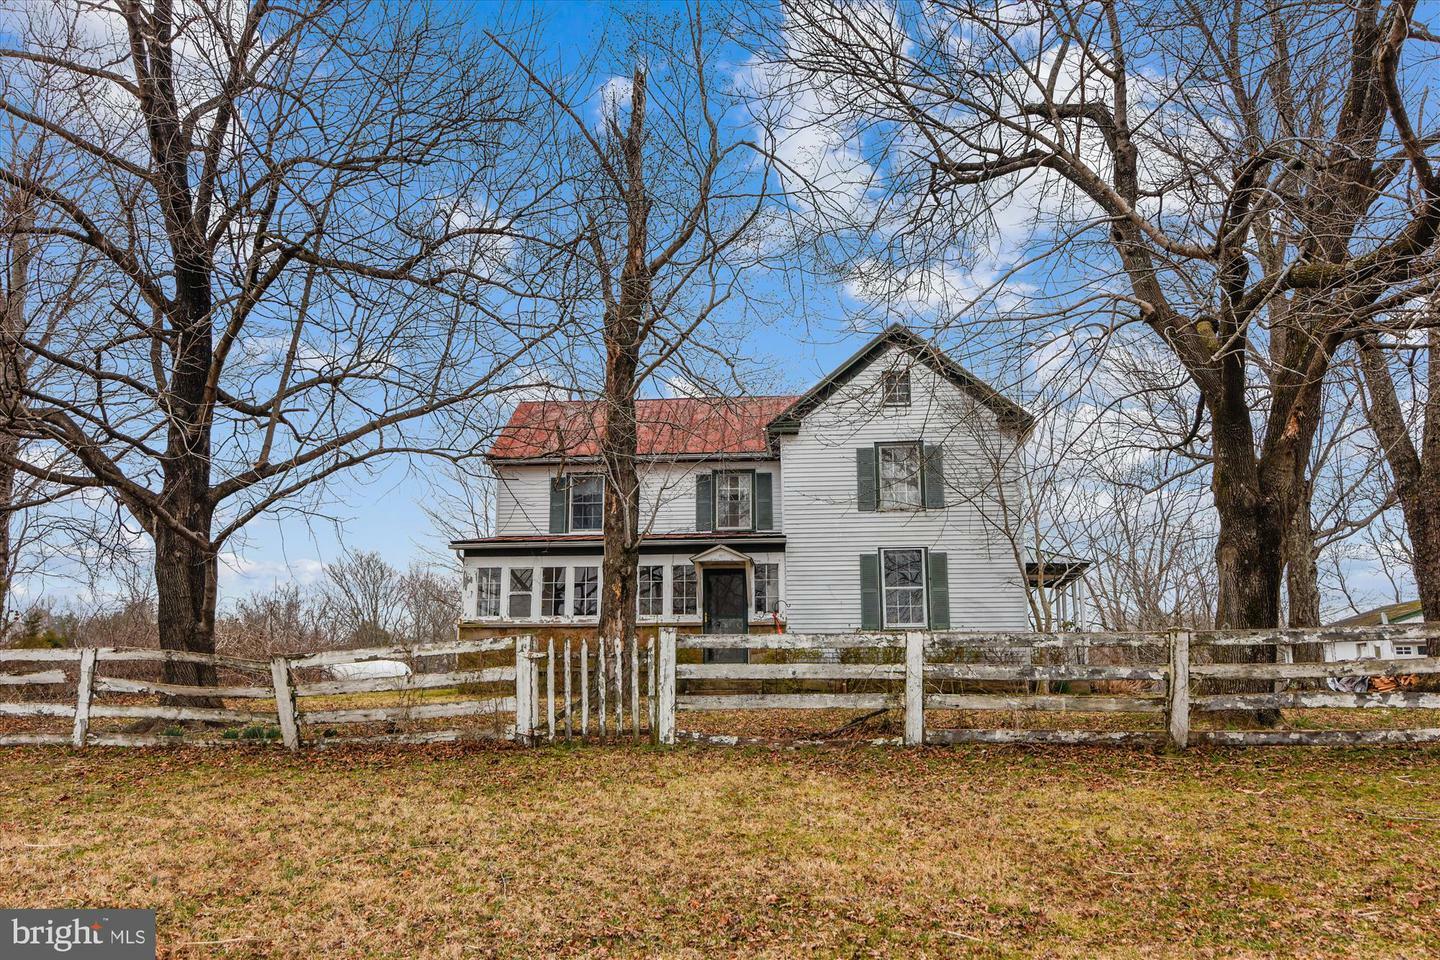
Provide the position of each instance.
(383, 511)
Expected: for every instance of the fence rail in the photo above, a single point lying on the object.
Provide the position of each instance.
(561, 691)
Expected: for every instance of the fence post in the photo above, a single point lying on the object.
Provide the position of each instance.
(634, 687)
(535, 657)
(1177, 706)
(550, 689)
(84, 691)
(285, 702)
(665, 688)
(914, 689)
(602, 712)
(569, 707)
(524, 691)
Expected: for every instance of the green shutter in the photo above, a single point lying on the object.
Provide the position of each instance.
(559, 512)
(938, 587)
(934, 474)
(866, 493)
(764, 502)
(704, 501)
(869, 591)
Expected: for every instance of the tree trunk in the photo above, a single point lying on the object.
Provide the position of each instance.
(186, 576)
(9, 450)
(622, 496)
(1416, 470)
(1302, 575)
(624, 331)
(18, 212)
(1420, 502)
(1249, 561)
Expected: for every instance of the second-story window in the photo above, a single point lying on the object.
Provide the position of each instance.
(732, 501)
(895, 388)
(652, 590)
(587, 502)
(900, 476)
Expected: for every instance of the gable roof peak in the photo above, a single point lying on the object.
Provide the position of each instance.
(924, 351)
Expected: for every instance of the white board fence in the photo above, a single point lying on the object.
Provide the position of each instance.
(582, 689)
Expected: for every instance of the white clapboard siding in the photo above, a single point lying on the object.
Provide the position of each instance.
(667, 495)
(826, 532)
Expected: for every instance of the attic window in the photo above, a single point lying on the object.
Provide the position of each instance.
(895, 388)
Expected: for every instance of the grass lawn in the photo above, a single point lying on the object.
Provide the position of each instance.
(603, 851)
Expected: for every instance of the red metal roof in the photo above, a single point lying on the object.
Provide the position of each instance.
(704, 426)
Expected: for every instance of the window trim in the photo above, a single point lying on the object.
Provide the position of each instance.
(715, 476)
(900, 374)
(885, 623)
(880, 446)
(570, 479)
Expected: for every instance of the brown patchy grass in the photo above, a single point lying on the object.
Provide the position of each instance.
(619, 851)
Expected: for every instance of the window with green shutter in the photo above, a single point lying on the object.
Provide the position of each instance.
(866, 491)
(869, 591)
(704, 501)
(764, 501)
(560, 505)
(934, 477)
(938, 588)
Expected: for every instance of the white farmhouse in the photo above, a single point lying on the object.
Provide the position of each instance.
(882, 499)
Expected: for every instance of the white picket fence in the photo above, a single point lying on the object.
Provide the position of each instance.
(550, 692)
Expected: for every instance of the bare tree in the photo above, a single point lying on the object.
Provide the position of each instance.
(364, 599)
(663, 206)
(1398, 418)
(300, 218)
(1245, 182)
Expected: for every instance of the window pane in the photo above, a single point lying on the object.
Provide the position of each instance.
(682, 588)
(487, 592)
(732, 501)
(652, 591)
(587, 502)
(767, 587)
(522, 587)
(900, 476)
(552, 595)
(587, 591)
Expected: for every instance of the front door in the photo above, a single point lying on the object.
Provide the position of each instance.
(726, 605)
